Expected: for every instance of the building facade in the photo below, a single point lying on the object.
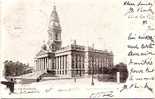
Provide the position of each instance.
(72, 60)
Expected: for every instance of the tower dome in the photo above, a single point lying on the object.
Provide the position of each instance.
(44, 46)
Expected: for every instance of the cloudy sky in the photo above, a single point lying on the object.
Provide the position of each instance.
(25, 22)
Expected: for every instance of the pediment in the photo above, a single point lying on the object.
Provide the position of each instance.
(42, 52)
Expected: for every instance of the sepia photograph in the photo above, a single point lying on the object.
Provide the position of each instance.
(77, 49)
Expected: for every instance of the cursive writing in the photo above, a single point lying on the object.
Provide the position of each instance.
(136, 85)
(146, 61)
(102, 94)
(27, 90)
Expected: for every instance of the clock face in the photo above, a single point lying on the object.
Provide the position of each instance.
(51, 23)
(54, 23)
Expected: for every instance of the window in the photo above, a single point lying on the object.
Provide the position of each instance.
(56, 36)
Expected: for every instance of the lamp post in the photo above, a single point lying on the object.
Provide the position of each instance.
(74, 76)
(92, 83)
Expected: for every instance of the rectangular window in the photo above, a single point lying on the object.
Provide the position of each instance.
(56, 36)
(66, 63)
(63, 71)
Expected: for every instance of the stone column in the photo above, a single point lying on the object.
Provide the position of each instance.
(101, 62)
(58, 65)
(86, 60)
(54, 63)
(97, 64)
(81, 65)
(61, 64)
(42, 64)
(77, 57)
(48, 63)
(36, 66)
(39, 64)
(78, 65)
(45, 63)
(65, 65)
(69, 65)
(104, 63)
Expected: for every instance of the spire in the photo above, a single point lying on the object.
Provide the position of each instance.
(54, 30)
(54, 14)
(54, 6)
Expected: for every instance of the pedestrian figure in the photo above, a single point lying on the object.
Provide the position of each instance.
(9, 84)
(75, 79)
(11, 87)
(38, 79)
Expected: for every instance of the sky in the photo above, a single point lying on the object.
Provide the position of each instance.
(25, 23)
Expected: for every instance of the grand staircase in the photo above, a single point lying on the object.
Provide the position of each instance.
(31, 77)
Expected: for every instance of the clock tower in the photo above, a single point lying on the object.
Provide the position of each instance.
(54, 31)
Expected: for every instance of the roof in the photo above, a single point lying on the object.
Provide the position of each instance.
(42, 52)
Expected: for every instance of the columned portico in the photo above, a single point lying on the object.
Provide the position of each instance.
(70, 61)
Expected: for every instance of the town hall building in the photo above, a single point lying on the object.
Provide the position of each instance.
(72, 60)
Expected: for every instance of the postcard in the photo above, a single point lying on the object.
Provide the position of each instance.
(77, 49)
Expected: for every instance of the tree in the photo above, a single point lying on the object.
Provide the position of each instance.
(15, 68)
(105, 70)
(122, 68)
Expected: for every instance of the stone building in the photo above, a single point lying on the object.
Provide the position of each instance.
(72, 60)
